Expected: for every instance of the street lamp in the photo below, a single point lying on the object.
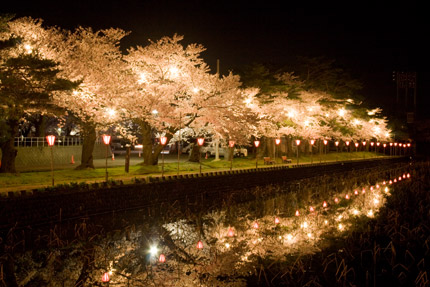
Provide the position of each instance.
(384, 145)
(163, 141)
(356, 147)
(364, 149)
(325, 149)
(256, 143)
(231, 145)
(297, 144)
(336, 143)
(200, 142)
(277, 142)
(347, 148)
(312, 150)
(106, 140)
(51, 140)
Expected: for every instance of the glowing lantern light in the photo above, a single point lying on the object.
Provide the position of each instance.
(394, 180)
(404, 175)
(105, 277)
(312, 142)
(363, 190)
(377, 186)
(384, 182)
(356, 192)
(162, 258)
(231, 143)
(347, 143)
(364, 143)
(199, 244)
(163, 140)
(325, 142)
(230, 232)
(336, 199)
(347, 196)
(400, 144)
(384, 145)
(106, 139)
(277, 221)
(255, 225)
(277, 141)
(356, 144)
(371, 188)
(51, 140)
(297, 213)
(378, 144)
(408, 175)
(409, 145)
(256, 143)
(336, 143)
(324, 204)
(372, 144)
(311, 209)
(386, 189)
(326, 222)
(390, 182)
(395, 144)
(298, 142)
(400, 178)
(391, 144)
(200, 141)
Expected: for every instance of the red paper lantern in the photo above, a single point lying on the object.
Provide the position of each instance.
(256, 143)
(230, 232)
(297, 213)
(105, 277)
(106, 139)
(199, 244)
(231, 143)
(255, 225)
(200, 141)
(162, 258)
(324, 204)
(163, 140)
(277, 141)
(50, 139)
(277, 221)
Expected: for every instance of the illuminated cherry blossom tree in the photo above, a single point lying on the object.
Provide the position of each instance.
(175, 90)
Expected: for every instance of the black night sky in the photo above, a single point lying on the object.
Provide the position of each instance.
(370, 40)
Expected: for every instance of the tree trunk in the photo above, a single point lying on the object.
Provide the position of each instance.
(289, 143)
(9, 152)
(150, 155)
(194, 153)
(270, 147)
(89, 134)
(40, 125)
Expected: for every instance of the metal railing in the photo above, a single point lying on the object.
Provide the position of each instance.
(41, 141)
